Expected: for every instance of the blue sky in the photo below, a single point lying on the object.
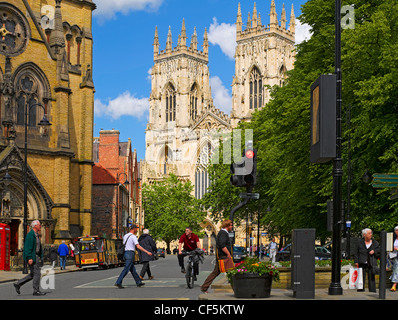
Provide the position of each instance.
(123, 33)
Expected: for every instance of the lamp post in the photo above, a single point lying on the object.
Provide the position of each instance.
(125, 183)
(335, 285)
(43, 123)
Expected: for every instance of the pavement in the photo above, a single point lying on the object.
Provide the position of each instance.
(12, 276)
(221, 289)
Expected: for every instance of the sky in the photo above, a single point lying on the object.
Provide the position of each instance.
(123, 32)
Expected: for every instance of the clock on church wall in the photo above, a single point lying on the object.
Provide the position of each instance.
(14, 31)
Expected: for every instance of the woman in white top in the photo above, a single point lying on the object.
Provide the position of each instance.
(394, 276)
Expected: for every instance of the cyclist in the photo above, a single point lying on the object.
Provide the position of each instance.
(189, 242)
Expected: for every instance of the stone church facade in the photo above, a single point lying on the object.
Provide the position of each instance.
(183, 119)
(45, 68)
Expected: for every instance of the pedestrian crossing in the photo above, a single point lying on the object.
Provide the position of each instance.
(128, 281)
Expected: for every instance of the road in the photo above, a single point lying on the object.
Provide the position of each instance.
(168, 283)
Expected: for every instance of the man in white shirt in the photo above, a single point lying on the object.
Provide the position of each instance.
(131, 243)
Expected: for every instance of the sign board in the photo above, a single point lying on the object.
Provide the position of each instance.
(386, 175)
(249, 195)
(323, 119)
(385, 185)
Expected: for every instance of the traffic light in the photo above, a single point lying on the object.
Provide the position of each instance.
(244, 172)
(237, 178)
(251, 160)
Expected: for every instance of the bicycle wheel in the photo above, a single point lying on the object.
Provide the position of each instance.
(190, 276)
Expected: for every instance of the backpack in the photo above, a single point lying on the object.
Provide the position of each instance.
(122, 249)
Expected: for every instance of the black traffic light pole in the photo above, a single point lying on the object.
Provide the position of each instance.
(335, 286)
(240, 205)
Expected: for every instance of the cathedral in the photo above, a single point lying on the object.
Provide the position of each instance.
(46, 74)
(182, 116)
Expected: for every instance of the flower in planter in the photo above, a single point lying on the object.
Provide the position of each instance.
(253, 265)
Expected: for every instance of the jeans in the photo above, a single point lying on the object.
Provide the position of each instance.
(129, 266)
(62, 261)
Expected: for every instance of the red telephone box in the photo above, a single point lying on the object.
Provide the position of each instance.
(5, 235)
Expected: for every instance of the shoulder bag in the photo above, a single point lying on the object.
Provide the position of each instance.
(122, 250)
(225, 264)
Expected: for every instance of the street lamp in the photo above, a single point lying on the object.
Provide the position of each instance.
(125, 183)
(43, 123)
(335, 285)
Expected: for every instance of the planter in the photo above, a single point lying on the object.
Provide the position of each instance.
(251, 285)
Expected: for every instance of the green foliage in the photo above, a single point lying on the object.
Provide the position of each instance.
(170, 208)
(295, 190)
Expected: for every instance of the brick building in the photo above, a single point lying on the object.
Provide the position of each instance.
(115, 185)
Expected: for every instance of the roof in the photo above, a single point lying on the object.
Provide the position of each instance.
(101, 175)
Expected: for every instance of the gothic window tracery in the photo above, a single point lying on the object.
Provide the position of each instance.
(256, 89)
(14, 30)
(193, 102)
(170, 103)
(202, 179)
(27, 92)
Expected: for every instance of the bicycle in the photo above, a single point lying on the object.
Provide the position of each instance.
(194, 257)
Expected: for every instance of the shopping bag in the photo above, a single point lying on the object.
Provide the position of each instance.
(225, 264)
(356, 279)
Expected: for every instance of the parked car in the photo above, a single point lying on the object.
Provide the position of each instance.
(161, 253)
(239, 254)
(284, 253)
(321, 253)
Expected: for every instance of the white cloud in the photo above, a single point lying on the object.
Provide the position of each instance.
(222, 99)
(106, 9)
(302, 32)
(125, 104)
(223, 35)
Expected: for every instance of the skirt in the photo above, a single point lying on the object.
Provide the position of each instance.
(394, 276)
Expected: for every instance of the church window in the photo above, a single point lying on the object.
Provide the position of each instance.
(27, 92)
(170, 104)
(202, 179)
(193, 103)
(256, 89)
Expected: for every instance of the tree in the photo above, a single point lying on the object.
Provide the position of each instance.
(170, 208)
(296, 190)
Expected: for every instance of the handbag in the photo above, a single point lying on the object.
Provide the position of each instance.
(374, 268)
(225, 264)
(392, 255)
(122, 250)
(356, 279)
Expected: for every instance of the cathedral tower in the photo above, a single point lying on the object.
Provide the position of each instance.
(264, 53)
(180, 81)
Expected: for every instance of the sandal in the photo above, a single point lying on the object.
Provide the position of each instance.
(393, 289)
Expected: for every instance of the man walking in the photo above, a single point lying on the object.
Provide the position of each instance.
(131, 243)
(149, 244)
(63, 252)
(33, 254)
(224, 250)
